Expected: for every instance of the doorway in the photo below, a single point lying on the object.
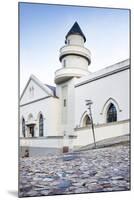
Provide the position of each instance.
(31, 131)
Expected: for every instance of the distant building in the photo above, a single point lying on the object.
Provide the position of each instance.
(54, 117)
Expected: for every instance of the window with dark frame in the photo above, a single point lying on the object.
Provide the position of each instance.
(68, 41)
(41, 125)
(64, 63)
(23, 127)
(111, 114)
(88, 121)
(31, 129)
(65, 103)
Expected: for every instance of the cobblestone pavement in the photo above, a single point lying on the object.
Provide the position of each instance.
(97, 170)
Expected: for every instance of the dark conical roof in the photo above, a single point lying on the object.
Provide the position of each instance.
(76, 30)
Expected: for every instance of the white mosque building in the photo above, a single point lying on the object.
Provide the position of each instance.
(52, 118)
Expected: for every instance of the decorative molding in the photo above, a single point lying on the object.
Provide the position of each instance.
(103, 76)
(34, 101)
(43, 137)
(107, 103)
(44, 87)
(102, 125)
(72, 136)
(54, 137)
(82, 118)
(75, 54)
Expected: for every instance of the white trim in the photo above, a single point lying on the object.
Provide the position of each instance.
(106, 106)
(107, 71)
(82, 117)
(103, 124)
(113, 101)
(40, 84)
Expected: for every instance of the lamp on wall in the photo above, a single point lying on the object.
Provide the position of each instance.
(88, 104)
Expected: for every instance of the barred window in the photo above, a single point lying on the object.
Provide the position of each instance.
(23, 127)
(41, 125)
(111, 114)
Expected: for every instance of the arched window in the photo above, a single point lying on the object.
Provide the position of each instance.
(41, 125)
(23, 127)
(111, 114)
(86, 121)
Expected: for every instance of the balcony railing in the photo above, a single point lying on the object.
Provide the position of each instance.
(75, 49)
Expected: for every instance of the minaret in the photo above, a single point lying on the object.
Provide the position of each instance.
(74, 57)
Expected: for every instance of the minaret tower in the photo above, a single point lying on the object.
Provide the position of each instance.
(74, 57)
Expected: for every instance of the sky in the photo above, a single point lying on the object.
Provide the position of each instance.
(43, 28)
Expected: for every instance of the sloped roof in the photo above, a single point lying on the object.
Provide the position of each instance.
(52, 88)
(112, 69)
(76, 30)
(40, 84)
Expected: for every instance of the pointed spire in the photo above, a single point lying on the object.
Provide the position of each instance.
(76, 30)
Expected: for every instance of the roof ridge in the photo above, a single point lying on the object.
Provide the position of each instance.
(39, 83)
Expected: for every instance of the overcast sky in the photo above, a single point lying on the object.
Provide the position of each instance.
(43, 29)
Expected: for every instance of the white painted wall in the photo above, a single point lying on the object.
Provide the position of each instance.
(85, 135)
(115, 86)
(75, 49)
(74, 61)
(65, 74)
(49, 107)
(64, 104)
(60, 120)
(67, 127)
(37, 94)
(75, 40)
(46, 143)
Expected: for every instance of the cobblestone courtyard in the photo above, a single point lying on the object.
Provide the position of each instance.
(96, 170)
